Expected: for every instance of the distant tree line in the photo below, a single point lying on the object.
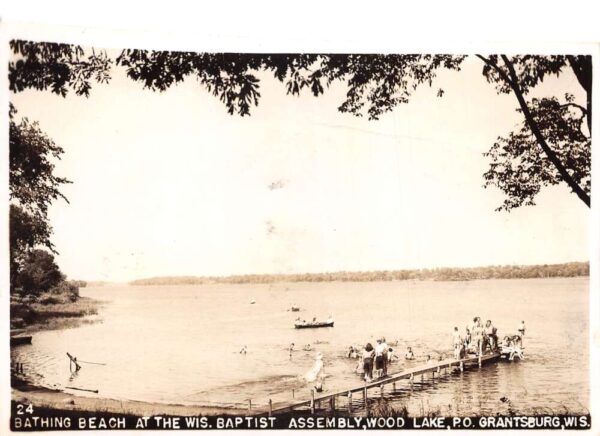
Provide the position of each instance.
(572, 269)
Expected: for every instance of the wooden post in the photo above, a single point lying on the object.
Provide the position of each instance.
(312, 401)
(365, 396)
(293, 394)
(249, 404)
(349, 401)
(332, 403)
(479, 360)
(381, 390)
(270, 407)
(462, 366)
(394, 386)
(411, 379)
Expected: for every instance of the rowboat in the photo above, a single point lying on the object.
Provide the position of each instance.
(295, 309)
(20, 340)
(313, 325)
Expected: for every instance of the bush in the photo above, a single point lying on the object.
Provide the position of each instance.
(68, 289)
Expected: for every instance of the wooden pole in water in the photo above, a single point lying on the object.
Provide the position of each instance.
(349, 401)
(411, 380)
(249, 404)
(293, 394)
(332, 402)
(479, 360)
(270, 407)
(462, 366)
(312, 401)
(365, 395)
(394, 386)
(381, 390)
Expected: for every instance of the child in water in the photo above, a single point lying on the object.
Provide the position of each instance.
(409, 354)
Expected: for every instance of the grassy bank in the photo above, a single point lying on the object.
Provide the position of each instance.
(60, 308)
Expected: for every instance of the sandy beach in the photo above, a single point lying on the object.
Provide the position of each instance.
(61, 401)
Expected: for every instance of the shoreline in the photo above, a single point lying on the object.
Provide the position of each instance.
(61, 401)
(25, 392)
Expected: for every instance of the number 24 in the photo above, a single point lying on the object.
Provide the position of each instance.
(20, 410)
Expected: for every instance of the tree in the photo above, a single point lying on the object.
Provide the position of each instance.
(538, 154)
(38, 273)
(32, 186)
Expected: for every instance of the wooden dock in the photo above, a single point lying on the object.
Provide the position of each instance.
(435, 369)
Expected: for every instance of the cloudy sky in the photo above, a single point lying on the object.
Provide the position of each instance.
(171, 184)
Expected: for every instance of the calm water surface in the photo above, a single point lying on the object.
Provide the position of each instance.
(180, 344)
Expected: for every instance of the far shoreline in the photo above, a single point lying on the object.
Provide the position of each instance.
(570, 269)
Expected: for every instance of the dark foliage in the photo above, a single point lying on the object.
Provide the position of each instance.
(32, 186)
(537, 154)
(519, 166)
(38, 273)
(58, 67)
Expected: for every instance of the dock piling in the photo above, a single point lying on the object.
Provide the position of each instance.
(349, 401)
(312, 401)
(270, 407)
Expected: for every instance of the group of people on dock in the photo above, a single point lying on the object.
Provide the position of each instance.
(479, 339)
(374, 361)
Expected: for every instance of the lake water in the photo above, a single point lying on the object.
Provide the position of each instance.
(180, 344)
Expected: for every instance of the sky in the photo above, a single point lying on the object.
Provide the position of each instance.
(169, 183)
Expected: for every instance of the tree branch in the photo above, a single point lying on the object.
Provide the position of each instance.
(581, 108)
(582, 67)
(512, 80)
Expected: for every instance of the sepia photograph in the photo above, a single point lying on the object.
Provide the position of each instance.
(298, 240)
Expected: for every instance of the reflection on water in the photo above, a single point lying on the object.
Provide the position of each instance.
(181, 344)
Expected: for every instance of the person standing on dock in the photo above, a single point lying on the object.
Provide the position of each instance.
(379, 358)
(385, 347)
(490, 333)
(477, 332)
(368, 355)
(522, 331)
(457, 343)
